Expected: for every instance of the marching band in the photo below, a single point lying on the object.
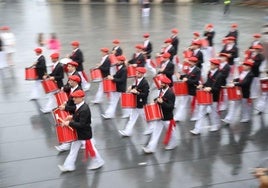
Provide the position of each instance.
(183, 89)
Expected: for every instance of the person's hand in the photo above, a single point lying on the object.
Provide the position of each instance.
(159, 100)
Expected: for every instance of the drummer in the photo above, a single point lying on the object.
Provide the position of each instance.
(120, 79)
(192, 79)
(117, 50)
(104, 67)
(80, 121)
(71, 68)
(69, 106)
(213, 85)
(56, 75)
(77, 56)
(166, 100)
(41, 69)
(167, 67)
(138, 59)
(147, 50)
(140, 88)
(244, 81)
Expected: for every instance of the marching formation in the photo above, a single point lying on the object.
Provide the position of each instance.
(203, 82)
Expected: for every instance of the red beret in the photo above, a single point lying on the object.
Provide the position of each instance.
(141, 70)
(166, 55)
(121, 58)
(5, 28)
(197, 42)
(78, 93)
(38, 50)
(231, 38)
(210, 25)
(146, 35)
(234, 25)
(75, 43)
(55, 55)
(196, 34)
(73, 63)
(215, 61)
(168, 40)
(175, 31)
(139, 46)
(257, 35)
(116, 41)
(106, 50)
(259, 47)
(193, 59)
(165, 79)
(75, 78)
(248, 62)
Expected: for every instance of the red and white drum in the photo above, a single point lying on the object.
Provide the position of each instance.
(264, 84)
(180, 88)
(204, 97)
(31, 74)
(64, 61)
(131, 71)
(59, 115)
(108, 86)
(234, 93)
(128, 100)
(113, 59)
(49, 86)
(157, 81)
(153, 112)
(65, 134)
(95, 75)
(61, 97)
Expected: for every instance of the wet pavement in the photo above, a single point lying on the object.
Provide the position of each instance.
(27, 137)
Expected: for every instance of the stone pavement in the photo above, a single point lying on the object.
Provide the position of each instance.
(27, 137)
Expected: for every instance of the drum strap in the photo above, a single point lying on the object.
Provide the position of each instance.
(193, 104)
(172, 124)
(89, 151)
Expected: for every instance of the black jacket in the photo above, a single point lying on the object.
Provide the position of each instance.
(143, 89)
(245, 84)
(193, 80)
(41, 67)
(120, 79)
(105, 67)
(168, 104)
(81, 122)
(58, 74)
(78, 57)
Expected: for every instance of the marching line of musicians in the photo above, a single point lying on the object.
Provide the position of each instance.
(227, 85)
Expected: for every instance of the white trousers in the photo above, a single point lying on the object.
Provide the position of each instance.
(69, 162)
(234, 105)
(213, 116)
(134, 115)
(182, 108)
(85, 85)
(157, 130)
(37, 90)
(114, 99)
(51, 103)
(149, 67)
(262, 102)
(99, 95)
(255, 88)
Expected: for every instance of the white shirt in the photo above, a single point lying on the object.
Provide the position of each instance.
(103, 58)
(191, 69)
(222, 64)
(55, 64)
(243, 75)
(146, 42)
(163, 91)
(79, 105)
(73, 88)
(212, 72)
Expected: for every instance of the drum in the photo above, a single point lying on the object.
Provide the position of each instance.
(59, 114)
(65, 134)
(131, 71)
(49, 86)
(264, 84)
(31, 74)
(113, 59)
(153, 112)
(234, 93)
(61, 97)
(65, 60)
(180, 88)
(204, 97)
(157, 80)
(128, 100)
(95, 75)
(108, 86)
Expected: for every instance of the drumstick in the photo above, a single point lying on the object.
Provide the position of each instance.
(61, 120)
